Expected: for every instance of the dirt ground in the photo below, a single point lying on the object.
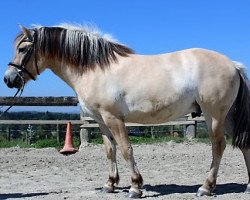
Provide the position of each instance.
(170, 171)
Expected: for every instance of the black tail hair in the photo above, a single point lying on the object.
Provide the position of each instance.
(241, 115)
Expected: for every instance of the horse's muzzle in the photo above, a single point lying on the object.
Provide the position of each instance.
(13, 79)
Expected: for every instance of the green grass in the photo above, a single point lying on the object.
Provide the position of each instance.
(97, 139)
(46, 143)
(13, 143)
(42, 143)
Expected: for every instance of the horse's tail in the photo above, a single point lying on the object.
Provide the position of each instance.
(240, 112)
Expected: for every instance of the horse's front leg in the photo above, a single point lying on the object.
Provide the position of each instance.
(110, 150)
(246, 154)
(119, 132)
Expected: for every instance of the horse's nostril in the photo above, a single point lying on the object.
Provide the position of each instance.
(5, 80)
(8, 82)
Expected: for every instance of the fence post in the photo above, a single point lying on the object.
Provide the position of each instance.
(171, 130)
(84, 136)
(185, 130)
(152, 132)
(58, 133)
(84, 133)
(26, 137)
(8, 133)
(191, 131)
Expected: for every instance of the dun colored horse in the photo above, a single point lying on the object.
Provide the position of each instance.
(114, 85)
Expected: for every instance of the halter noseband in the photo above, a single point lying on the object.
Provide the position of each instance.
(21, 67)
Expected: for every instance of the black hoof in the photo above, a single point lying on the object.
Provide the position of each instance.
(202, 192)
(107, 190)
(134, 195)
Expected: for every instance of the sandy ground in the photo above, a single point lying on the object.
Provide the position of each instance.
(170, 171)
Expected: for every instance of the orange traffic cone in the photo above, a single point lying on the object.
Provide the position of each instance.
(68, 146)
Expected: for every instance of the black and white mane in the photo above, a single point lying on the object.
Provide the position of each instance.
(79, 46)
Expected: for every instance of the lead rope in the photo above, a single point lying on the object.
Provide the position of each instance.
(21, 89)
(13, 102)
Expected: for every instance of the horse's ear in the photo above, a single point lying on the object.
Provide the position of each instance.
(26, 32)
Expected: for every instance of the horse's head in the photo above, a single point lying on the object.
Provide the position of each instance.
(53, 47)
(24, 66)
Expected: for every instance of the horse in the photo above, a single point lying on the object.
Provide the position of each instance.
(115, 85)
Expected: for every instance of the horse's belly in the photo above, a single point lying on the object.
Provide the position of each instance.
(149, 118)
(154, 115)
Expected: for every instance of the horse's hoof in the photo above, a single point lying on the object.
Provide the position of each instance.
(202, 192)
(134, 195)
(107, 190)
(247, 191)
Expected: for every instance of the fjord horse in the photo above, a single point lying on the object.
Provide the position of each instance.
(114, 85)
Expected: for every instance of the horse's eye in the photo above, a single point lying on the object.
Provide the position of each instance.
(21, 50)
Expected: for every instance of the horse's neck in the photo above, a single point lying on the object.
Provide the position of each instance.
(65, 72)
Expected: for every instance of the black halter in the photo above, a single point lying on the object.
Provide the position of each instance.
(21, 67)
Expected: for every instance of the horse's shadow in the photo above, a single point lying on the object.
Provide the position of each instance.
(21, 195)
(162, 190)
(220, 189)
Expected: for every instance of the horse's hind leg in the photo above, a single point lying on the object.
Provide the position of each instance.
(246, 154)
(119, 132)
(110, 150)
(216, 130)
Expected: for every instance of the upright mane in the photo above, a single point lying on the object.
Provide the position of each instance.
(79, 46)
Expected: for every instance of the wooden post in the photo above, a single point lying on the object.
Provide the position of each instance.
(26, 137)
(58, 133)
(8, 133)
(152, 132)
(184, 129)
(172, 130)
(195, 129)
